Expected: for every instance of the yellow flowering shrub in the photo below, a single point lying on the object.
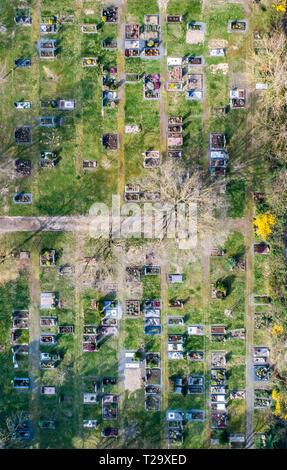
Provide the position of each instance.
(280, 7)
(263, 224)
(277, 330)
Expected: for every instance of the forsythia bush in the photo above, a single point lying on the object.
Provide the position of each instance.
(263, 225)
(277, 330)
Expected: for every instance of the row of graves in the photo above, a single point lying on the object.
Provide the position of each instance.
(176, 419)
(109, 87)
(109, 404)
(144, 41)
(218, 413)
(175, 137)
(48, 323)
(217, 154)
(94, 335)
(135, 193)
(152, 381)
(19, 346)
(183, 76)
(261, 364)
(47, 47)
(151, 86)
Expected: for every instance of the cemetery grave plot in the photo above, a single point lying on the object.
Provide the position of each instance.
(22, 135)
(217, 291)
(90, 338)
(48, 339)
(151, 159)
(89, 61)
(175, 303)
(192, 61)
(194, 86)
(21, 383)
(218, 420)
(152, 360)
(175, 321)
(48, 158)
(49, 104)
(132, 128)
(217, 253)
(178, 384)
(260, 355)
(217, 359)
(23, 16)
(150, 35)
(20, 319)
(195, 33)
(174, 153)
(217, 141)
(195, 330)
(262, 399)
(110, 141)
(48, 390)
(218, 52)
(48, 258)
(217, 165)
(174, 434)
(47, 424)
(238, 333)
(132, 308)
(46, 48)
(152, 376)
(262, 320)
(90, 164)
(237, 26)
(218, 333)
(132, 78)
(174, 74)
(195, 415)
(49, 121)
(110, 432)
(261, 373)
(109, 14)
(195, 384)
(152, 270)
(22, 104)
(132, 42)
(22, 198)
(22, 167)
(218, 111)
(110, 44)
(132, 192)
(261, 248)
(48, 24)
(22, 63)
(48, 300)
(110, 407)
(89, 28)
(66, 329)
(174, 19)
(217, 377)
(175, 278)
(66, 18)
(260, 300)
(195, 356)
(90, 423)
(152, 402)
(48, 322)
(151, 86)
(66, 270)
(21, 429)
(237, 395)
(174, 139)
(237, 98)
